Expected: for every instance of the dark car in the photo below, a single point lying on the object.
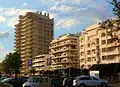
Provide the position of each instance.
(16, 81)
(68, 82)
(55, 82)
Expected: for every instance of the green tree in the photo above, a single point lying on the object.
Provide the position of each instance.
(113, 24)
(1, 67)
(11, 63)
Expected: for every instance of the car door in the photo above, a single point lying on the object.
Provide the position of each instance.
(95, 81)
(86, 80)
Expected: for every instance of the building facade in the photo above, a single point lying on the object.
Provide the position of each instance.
(33, 35)
(64, 51)
(96, 47)
(42, 63)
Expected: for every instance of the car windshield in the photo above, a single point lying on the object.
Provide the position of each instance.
(33, 79)
(6, 80)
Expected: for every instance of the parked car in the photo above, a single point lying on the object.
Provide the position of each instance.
(90, 81)
(56, 82)
(5, 85)
(68, 81)
(15, 81)
(38, 82)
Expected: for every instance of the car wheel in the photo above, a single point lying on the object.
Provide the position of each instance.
(52, 85)
(82, 85)
(103, 85)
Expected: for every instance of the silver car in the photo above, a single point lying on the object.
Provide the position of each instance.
(90, 81)
(37, 82)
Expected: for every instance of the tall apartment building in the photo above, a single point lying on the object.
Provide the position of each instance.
(64, 51)
(96, 47)
(33, 35)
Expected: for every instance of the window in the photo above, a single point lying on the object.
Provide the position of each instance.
(110, 49)
(103, 42)
(109, 33)
(82, 53)
(93, 58)
(93, 51)
(88, 44)
(88, 52)
(93, 78)
(88, 59)
(93, 44)
(82, 60)
(109, 41)
(103, 57)
(103, 49)
(85, 78)
(73, 47)
(103, 35)
(82, 46)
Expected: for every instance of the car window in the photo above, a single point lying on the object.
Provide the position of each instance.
(93, 78)
(41, 80)
(33, 80)
(6, 80)
(46, 80)
(85, 78)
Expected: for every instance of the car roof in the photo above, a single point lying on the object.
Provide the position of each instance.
(82, 76)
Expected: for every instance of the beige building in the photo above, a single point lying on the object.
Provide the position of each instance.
(33, 35)
(42, 63)
(96, 47)
(65, 51)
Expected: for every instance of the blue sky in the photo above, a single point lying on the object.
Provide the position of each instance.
(70, 16)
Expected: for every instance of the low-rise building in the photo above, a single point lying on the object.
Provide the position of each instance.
(65, 51)
(42, 63)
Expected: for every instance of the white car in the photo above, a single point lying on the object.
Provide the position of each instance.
(37, 82)
(90, 81)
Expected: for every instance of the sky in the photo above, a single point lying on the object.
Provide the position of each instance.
(70, 16)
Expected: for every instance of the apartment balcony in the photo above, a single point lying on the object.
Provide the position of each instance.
(23, 34)
(17, 33)
(103, 38)
(23, 52)
(23, 45)
(23, 48)
(38, 60)
(109, 37)
(113, 53)
(64, 50)
(61, 45)
(93, 47)
(111, 45)
(38, 65)
(23, 55)
(29, 50)
(23, 30)
(113, 60)
(110, 53)
(23, 41)
(82, 50)
(65, 62)
(27, 25)
(90, 55)
(24, 37)
(64, 56)
(94, 55)
(89, 62)
(104, 46)
(88, 48)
